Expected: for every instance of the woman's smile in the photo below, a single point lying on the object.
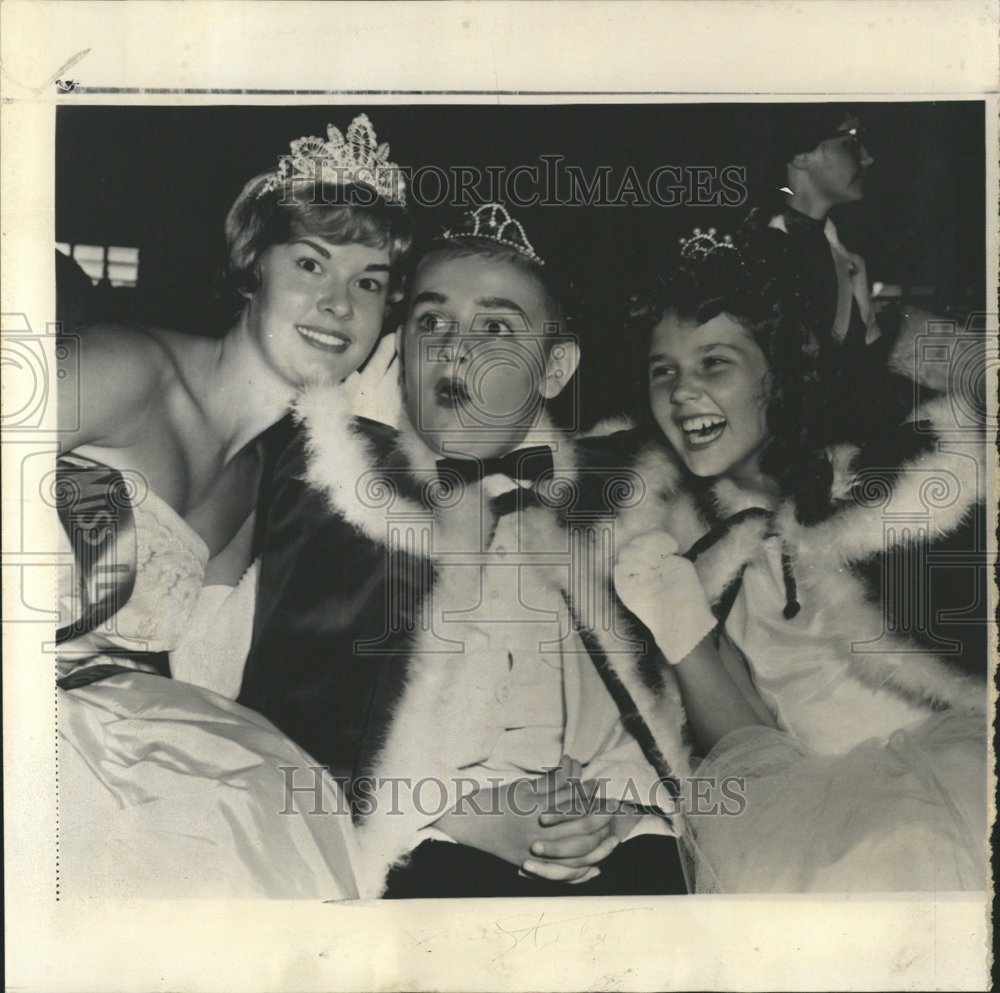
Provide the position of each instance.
(329, 297)
(325, 338)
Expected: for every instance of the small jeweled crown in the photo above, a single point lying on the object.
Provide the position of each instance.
(492, 222)
(704, 243)
(340, 160)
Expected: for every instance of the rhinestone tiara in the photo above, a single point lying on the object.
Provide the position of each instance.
(702, 243)
(354, 157)
(493, 222)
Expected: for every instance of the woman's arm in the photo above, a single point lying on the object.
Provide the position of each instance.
(229, 565)
(105, 393)
(216, 641)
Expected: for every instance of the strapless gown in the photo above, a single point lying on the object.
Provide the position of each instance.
(170, 789)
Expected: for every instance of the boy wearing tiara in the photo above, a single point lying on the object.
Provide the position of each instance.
(439, 626)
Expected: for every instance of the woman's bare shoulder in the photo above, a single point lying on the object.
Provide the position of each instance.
(112, 349)
(121, 371)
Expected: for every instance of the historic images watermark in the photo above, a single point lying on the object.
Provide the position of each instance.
(549, 182)
(430, 796)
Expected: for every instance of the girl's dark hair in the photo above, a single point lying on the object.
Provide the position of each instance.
(254, 224)
(756, 283)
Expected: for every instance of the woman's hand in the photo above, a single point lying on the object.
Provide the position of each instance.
(662, 589)
(374, 391)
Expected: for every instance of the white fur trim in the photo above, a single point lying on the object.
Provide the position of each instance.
(609, 426)
(905, 358)
(937, 489)
(660, 478)
(720, 564)
(339, 463)
(851, 620)
(441, 709)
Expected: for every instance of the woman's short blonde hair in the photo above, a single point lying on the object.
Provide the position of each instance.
(255, 223)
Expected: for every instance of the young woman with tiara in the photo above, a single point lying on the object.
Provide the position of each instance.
(167, 787)
(875, 778)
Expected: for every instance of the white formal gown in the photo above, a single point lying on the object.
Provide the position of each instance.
(171, 789)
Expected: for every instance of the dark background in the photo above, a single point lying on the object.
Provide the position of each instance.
(162, 179)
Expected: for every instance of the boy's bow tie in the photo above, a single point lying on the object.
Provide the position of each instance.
(527, 465)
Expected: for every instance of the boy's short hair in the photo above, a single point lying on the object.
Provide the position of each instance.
(255, 223)
(469, 247)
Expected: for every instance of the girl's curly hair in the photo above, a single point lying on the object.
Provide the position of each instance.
(754, 281)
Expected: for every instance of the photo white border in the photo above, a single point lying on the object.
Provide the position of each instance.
(245, 53)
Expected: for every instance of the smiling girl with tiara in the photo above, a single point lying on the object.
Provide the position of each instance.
(167, 787)
(876, 776)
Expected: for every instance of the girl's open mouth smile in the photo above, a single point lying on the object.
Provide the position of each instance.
(701, 430)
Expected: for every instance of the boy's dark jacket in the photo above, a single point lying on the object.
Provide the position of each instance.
(324, 580)
(334, 653)
(322, 588)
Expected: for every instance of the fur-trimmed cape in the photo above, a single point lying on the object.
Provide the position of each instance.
(395, 499)
(927, 497)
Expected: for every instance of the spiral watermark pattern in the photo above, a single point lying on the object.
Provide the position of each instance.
(445, 490)
(27, 382)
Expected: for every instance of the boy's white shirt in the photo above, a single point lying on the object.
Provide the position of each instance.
(437, 729)
(584, 701)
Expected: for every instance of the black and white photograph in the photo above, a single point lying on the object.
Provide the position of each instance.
(577, 504)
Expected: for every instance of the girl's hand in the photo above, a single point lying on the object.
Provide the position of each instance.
(662, 589)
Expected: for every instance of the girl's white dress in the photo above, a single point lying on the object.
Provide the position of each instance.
(171, 789)
(862, 790)
(876, 778)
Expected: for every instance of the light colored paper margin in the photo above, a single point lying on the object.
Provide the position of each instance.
(508, 53)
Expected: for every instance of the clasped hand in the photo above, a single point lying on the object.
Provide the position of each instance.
(554, 827)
